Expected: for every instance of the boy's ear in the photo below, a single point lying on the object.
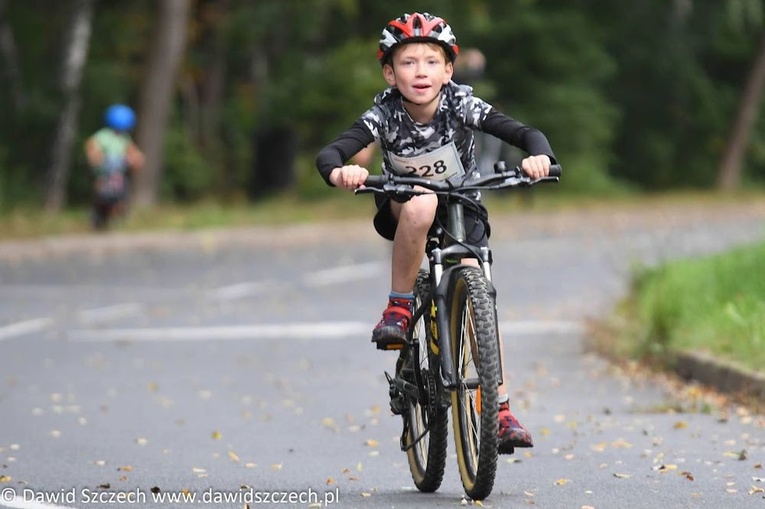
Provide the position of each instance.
(449, 72)
(389, 75)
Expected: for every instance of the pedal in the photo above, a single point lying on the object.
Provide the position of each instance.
(388, 345)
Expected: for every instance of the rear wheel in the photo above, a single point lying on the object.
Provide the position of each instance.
(475, 406)
(425, 420)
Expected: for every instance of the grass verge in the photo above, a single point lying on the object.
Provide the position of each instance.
(713, 305)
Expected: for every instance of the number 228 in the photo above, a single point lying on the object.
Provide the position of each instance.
(438, 168)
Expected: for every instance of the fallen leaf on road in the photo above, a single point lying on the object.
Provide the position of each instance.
(276, 466)
(622, 476)
(216, 435)
(5, 478)
(330, 423)
(233, 456)
(621, 444)
(562, 482)
(371, 442)
(680, 425)
(688, 476)
(141, 441)
(365, 494)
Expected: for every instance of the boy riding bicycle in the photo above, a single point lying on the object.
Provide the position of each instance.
(112, 154)
(424, 123)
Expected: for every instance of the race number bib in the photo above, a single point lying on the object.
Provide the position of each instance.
(440, 164)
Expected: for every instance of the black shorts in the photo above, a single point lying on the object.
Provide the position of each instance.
(476, 225)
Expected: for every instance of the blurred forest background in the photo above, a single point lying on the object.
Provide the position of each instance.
(235, 97)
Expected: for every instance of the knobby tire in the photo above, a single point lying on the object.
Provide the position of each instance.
(474, 346)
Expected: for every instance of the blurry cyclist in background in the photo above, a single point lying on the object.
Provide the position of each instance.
(112, 155)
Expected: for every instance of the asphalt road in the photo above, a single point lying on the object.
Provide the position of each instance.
(237, 368)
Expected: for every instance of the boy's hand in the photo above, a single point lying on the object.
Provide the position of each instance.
(536, 167)
(350, 177)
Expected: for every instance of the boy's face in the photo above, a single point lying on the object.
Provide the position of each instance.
(418, 70)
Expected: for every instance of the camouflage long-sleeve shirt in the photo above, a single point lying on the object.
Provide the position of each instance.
(444, 147)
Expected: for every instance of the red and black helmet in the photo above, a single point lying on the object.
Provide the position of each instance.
(417, 27)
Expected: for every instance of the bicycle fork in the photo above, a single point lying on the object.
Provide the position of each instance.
(443, 332)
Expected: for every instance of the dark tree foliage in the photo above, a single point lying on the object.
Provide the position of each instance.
(642, 92)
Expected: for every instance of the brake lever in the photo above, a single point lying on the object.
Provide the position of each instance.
(545, 179)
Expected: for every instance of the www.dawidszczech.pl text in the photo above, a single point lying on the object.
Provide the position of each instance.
(84, 496)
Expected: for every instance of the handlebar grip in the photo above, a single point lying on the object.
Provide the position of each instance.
(555, 170)
(377, 181)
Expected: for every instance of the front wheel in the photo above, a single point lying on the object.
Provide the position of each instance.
(475, 406)
(425, 420)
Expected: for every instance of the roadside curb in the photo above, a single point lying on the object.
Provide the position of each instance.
(725, 376)
(721, 375)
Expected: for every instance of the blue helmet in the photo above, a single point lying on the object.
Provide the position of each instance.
(120, 117)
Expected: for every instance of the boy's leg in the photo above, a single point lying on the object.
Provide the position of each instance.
(512, 433)
(414, 218)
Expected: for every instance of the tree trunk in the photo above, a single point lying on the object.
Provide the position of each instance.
(729, 172)
(168, 46)
(11, 57)
(213, 84)
(75, 56)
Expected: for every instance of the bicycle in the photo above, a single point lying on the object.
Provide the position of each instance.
(451, 357)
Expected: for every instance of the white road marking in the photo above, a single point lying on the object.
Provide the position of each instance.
(314, 330)
(20, 503)
(318, 330)
(542, 327)
(25, 327)
(345, 274)
(236, 291)
(104, 314)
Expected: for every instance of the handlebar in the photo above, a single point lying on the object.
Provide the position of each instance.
(502, 178)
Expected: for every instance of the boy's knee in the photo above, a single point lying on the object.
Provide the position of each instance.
(420, 210)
